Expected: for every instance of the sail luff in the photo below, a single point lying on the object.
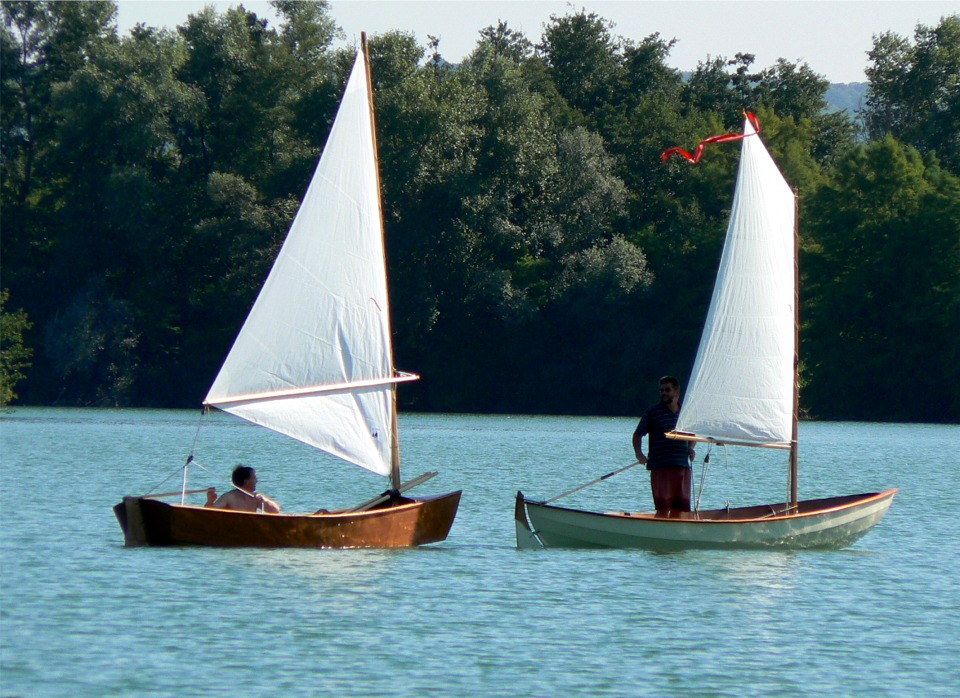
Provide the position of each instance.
(795, 433)
(395, 429)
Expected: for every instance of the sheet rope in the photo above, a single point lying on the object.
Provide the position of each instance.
(182, 470)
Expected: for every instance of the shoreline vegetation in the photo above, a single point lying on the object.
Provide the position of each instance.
(541, 258)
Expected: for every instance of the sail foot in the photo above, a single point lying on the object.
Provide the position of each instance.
(686, 436)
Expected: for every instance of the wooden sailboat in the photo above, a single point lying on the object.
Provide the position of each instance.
(743, 391)
(314, 361)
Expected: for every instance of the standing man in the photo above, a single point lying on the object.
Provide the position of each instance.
(670, 460)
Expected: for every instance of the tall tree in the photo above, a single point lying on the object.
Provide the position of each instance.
(14, 353)
(43, 43)
(540, 255)
(713, 88)
(53, 185)
(584, 58)
(506, 42)
(883, 289)
(914, 89)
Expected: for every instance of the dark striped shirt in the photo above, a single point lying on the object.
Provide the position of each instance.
(656, 422)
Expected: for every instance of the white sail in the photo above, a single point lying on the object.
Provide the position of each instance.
(741, 387)
(313, 359)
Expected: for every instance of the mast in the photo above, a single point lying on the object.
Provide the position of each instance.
(394, 432)
(796, 351)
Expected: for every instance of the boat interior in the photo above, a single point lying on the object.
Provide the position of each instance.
(756, 512)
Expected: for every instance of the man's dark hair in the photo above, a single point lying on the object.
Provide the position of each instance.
(671, 380)
(241, 474)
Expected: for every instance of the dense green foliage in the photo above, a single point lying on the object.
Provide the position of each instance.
(541, 258)
(14, 356)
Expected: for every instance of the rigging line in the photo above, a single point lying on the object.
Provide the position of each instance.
(183, 487)
(185, 468)
(210, 472)
(175, 472)
(207, 470)
(204, 468)
(726, 465)
(592, 482)
(703, 477)
(179, 469)
(196, 435)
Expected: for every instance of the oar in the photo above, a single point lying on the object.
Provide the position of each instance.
(593, 482)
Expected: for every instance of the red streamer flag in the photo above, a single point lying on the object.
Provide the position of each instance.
(695, 158)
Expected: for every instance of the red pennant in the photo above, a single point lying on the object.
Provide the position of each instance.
(695, 158)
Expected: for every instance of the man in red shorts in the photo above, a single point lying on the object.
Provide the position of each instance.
(670, 460)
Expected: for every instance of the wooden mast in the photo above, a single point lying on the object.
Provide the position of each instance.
(794, 434)
(394, 435)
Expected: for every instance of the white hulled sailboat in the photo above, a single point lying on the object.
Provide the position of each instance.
(743, 391)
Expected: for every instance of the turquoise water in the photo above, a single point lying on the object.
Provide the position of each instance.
(81, 615)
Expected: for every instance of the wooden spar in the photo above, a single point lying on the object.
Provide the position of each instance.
(394, 445)
(313, 390)
(685, 436)
(394, 426)
(794, 434)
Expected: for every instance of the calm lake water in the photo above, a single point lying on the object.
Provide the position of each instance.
(83, 616)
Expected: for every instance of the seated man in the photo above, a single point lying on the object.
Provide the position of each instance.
(244, 497)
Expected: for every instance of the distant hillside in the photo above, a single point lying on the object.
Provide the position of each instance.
(849, 96)
(840, 96)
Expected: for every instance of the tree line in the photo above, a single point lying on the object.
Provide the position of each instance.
(541, 258)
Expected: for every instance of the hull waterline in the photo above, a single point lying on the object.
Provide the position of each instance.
(406, 523)
(834, 522)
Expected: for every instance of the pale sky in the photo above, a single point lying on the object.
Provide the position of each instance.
(832, 36)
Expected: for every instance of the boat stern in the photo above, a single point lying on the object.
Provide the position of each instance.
(527, 539)
(130, 517)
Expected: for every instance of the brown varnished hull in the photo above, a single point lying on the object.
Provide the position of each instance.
(405, 523)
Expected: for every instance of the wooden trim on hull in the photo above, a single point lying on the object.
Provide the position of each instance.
(405, 523)
(833, 522)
